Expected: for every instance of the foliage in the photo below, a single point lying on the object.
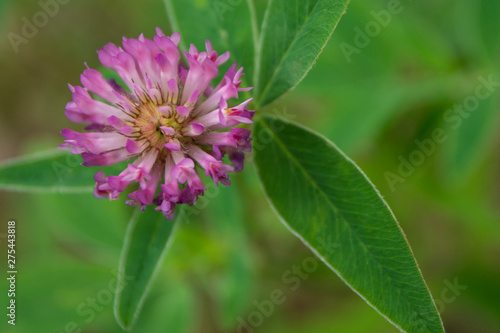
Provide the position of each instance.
(386, 97)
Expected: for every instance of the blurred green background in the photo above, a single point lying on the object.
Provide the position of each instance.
(397, 84)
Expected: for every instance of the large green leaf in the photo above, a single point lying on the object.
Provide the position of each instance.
(52, 171)
(147, 240)
(328, 202)
(293, 35)
(229, 25)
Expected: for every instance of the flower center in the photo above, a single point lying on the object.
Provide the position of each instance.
(159, 124)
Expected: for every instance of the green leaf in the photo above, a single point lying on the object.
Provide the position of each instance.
(371, 114)
(329, 203)
(489, 24)
(172, 308)
(99, 224)
(235, 284)
(229, 25)
(471, 135)
(293, 35)
(51, 171)
(110, 74)
(148, 238)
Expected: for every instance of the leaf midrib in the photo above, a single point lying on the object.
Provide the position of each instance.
(131, 316)
(316, 185)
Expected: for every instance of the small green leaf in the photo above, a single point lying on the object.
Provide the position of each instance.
(51, 171)
(173, 308)
(293, 35)
(234, 286)
(110, 74)
(148, 238)
(471, 135)
(229, 25)
(329, 203)
(489, 25)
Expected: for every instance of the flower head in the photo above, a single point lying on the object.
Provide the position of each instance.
(168, 117)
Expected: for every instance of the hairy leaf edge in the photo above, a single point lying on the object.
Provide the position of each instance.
(122, 264)
(258, 64)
